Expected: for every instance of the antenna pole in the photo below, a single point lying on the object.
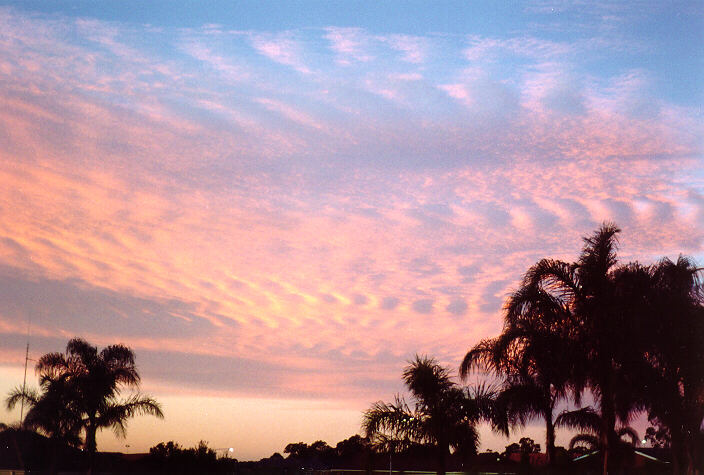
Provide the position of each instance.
(24, 384)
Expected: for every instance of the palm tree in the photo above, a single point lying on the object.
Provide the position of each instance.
(589, 422)
(532, 357)
(94, 381)
(444, 414)
(603, 315)
(633, 335)
(673, 336)
(52, 412)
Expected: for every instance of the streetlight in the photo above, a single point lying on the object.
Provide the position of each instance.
(226, 451)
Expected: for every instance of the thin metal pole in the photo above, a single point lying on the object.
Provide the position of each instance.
(24, 384)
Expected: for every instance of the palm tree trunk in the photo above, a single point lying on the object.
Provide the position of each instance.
(54, 456)
(689, 455)
(608, 423)
(608, 413)
(443, 451)
(90, 445)
(549, 437)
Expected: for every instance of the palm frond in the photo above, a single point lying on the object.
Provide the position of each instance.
(120, 359)
(522, 401)
(599, 252)
(84, 351)
(17, 395)
(554, 276)
(585, 419)
(382, 417)
(51, 365)
(479, 403)
(134, 405)
(424, 377)
(587, 440)
(480, 357)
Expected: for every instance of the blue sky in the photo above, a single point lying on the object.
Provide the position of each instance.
(669, 34)
(288, 200)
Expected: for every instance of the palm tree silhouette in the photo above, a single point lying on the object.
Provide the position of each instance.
(602, 316)
(53, 412)
(443, 415)
(93, 382)
(631, 334)
(532, 355)
(589, 422)
(50, 412)
(673, 336)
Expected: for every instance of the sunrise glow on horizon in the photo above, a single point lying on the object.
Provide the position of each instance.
(277, 205)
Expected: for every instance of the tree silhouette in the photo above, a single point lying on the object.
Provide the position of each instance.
(444, 414)
(53, 411)
(632, 335)
(532, 355)
(92, 382)
(589, 422)
(672, 335)
(603, 313)
(659, 437)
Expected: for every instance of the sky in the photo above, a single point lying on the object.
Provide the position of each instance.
(277, 204)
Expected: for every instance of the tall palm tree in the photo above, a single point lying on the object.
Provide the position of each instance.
(532, 357)
(603, 318)
(95, 381)
(444, 414)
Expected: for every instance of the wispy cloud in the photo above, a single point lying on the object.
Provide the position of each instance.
(351, 44)
(290, 113)
(217, 62)
(280, 48)
(486, 48)
(414, 48)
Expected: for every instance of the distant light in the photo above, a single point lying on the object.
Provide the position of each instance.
(230, 449)
(643, 441)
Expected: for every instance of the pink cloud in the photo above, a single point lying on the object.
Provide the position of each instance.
(414, 48)
(457, 91)
(282, 49)
(220, 63)
(290, 113)
(225, 208)
(351, 44)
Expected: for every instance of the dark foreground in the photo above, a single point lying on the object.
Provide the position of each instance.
(28, 452)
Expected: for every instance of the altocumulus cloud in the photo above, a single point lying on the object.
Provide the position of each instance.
(314, 202)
